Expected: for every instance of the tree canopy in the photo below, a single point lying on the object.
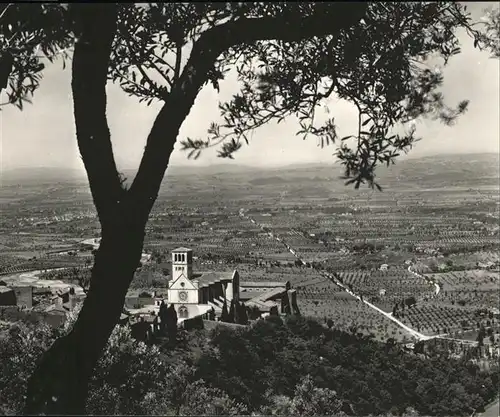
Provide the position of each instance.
(295, 367)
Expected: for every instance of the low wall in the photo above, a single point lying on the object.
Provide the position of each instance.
(210, 325)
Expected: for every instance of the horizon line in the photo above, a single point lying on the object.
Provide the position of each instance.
(234, 163)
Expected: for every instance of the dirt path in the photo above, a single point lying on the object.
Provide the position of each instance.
(436, 285)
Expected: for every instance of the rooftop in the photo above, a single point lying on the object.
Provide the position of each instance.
(208, 278)
(268, 295)
(248, 295)
(56, 309)
(263, 284)
(182, 250)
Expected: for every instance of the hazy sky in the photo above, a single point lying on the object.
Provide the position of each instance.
(43, 134)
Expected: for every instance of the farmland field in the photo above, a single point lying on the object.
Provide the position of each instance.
(350, 315)
(444, 225)
(471, 287)
(437, 319)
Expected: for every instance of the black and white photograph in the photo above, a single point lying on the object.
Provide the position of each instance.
(250, 208)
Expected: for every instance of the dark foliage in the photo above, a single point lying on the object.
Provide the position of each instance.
(273, 355)
(171, 323)
(224, 314)
(242, 314)
(232, 313)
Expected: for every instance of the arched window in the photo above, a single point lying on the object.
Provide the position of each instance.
(183, 312)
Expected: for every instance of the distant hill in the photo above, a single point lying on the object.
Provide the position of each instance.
(267, 180)
(464, 168)
(448, 169)
(41, 175)
(443, 168)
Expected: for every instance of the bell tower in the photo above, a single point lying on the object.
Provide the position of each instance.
(182, 263)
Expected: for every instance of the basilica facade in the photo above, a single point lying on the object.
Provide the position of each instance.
(196, 294)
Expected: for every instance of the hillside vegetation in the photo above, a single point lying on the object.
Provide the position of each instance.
(291, 367)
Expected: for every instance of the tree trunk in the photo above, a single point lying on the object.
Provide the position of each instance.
(59, 384)
(60, 381)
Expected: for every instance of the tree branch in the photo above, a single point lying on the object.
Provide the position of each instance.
(159, 71)
(145, 76)
(97, 24)
(5, 8)
(139, 86)
(143, 73)
(178, 58)
(163, 62)
(330, 20)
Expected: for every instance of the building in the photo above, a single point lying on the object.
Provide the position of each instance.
(264, 295)
(55, 315)
(7, 296)
(20, 295)
(137, 299)
(65, 299)
(196, 294)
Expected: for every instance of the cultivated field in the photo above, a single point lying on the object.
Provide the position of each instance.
(430, 216)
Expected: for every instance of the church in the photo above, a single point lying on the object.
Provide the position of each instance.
(197, 294)
(194, 294)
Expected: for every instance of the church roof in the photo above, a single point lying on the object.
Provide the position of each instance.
(268, 295)
(248, 295)
(263, 284)
(172, 284)
(264, 301)
(208, 278)
(182, 250)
